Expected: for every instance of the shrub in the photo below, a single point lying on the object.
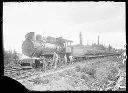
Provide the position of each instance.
(88, 70)
(10, 56)
(78, 68)
(84, 77)
(112, 76)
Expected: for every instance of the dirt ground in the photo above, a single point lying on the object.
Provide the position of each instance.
(71, 77)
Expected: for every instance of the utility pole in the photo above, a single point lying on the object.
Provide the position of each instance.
(81, 43)
(98, 39)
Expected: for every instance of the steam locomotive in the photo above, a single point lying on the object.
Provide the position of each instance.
(36, 47)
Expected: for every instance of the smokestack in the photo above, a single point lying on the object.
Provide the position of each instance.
(81, 43)
(98, 39)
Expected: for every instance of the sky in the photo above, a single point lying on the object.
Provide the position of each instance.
(66, 19)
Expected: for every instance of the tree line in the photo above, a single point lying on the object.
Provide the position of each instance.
(10, 56)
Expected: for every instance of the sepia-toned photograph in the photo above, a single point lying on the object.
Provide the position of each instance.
(65, 46)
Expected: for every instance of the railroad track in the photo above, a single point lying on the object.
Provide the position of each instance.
(68, 63)
(14, 71)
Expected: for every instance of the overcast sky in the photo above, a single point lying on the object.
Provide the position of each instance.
(66, 19)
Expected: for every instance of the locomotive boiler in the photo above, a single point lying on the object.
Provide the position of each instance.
(41, 46)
